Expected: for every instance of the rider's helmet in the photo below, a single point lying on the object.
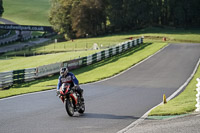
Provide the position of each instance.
(63, 71)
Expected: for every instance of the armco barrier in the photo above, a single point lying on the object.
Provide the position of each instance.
(48, 69)
(17, 76)
(5, 35)
(20, 76)
(6, 79)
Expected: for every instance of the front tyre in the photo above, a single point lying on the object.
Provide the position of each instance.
(69, 106)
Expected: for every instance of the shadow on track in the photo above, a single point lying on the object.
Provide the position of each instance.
(105, 116)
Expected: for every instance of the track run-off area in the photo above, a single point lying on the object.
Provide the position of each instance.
(111, 104)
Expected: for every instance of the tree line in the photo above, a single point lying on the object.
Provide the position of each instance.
(80, 18)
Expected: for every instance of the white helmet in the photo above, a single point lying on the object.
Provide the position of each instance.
(63, 71)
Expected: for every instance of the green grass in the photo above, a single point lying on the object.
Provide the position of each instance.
(27, 12)
(94, 72)
(182, 104)
(16, 63)
(151, 34)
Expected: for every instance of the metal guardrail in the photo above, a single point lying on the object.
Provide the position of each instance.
(24, 75)
(16, 76)
(6, 34)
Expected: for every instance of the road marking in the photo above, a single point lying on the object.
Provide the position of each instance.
(25, 94)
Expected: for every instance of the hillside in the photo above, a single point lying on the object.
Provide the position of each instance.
(27, 12)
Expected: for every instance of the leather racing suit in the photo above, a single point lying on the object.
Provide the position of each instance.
(72, 80)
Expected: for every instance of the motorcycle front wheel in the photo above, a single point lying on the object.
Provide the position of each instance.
(69, 106)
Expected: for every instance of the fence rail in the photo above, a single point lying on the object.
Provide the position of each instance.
(20, 76)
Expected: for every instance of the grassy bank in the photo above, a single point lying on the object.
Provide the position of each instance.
(16, 63)
(26, 12)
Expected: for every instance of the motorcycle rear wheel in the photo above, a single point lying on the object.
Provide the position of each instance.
(69, 107)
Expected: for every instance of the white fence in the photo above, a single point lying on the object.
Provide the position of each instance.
(198, 95)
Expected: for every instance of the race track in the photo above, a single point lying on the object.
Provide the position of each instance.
(111, 105)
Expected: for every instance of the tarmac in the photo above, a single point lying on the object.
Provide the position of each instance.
(188, 123)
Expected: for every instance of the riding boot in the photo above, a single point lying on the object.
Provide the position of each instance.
(81, 95)
(80, 92)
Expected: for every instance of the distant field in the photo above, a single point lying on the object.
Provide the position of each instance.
(27, 12)
(151, 34)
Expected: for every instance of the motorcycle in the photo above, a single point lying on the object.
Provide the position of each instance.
(71, 99)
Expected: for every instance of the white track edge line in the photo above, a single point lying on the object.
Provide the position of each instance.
(135, 123)
(31, 93)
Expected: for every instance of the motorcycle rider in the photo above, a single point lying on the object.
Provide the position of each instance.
(68, 77)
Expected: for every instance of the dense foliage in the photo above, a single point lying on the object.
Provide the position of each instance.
(78, 18)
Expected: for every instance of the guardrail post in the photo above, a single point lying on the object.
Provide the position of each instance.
(98, 56)
(1, 82)
(89, 59)
(198, 95)
(18, 76)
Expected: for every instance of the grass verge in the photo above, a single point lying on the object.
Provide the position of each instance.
(94, 72)
(17, 63)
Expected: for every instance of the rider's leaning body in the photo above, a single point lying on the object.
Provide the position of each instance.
(68, 77)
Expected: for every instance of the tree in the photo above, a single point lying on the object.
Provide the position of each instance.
(76, 18)
(89, 17)
(155, 12)
(115, 14)
(60, 17)
(1, 8)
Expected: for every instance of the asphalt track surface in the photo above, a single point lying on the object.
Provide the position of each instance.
(181, 124)
(111, 105)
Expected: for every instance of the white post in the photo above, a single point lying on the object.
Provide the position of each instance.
(198, 95)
